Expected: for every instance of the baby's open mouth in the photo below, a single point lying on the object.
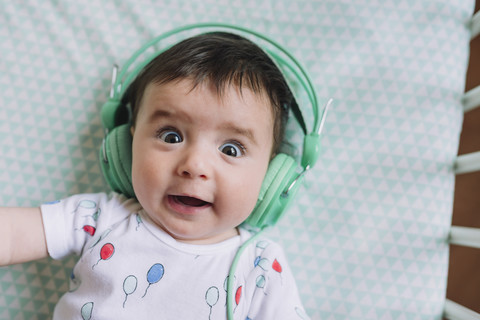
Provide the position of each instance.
(190, 201)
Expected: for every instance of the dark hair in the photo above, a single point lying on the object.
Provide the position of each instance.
(222, 59)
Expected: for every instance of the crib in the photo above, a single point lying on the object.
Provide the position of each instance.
(369, 234)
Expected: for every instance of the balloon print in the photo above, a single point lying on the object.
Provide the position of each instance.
(238, 295)
(211, 297)
(262, 263)
(85, 204)
(106, 252)
(52, 202)
(139, 221)
(89, 229)
(154, 274)
(74, 283)
(276, 266)
(129, 286)
(86, 311)
(260, 283)
(96, 214)
(262, 244)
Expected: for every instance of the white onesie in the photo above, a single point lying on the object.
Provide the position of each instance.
(129, 268)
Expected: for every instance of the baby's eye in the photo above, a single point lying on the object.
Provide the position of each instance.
(232, 149)
(170, 136)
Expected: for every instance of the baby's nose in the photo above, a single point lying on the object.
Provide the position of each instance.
(195, 164)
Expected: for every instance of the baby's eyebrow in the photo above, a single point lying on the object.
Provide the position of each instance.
(246, 132)
(162, 113)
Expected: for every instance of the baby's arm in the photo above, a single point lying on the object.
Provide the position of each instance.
(22, 237)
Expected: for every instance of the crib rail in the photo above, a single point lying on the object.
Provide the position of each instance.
(475, 25)
(464, 236)
(471, 99)
(455, 311)
(469, 237)
(466, 163)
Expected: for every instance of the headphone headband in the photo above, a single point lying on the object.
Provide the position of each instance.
(123, 79)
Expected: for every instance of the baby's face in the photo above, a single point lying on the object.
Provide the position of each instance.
(199, 160)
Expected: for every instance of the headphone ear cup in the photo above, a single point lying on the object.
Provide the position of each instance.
(116, 160)
(272, 202)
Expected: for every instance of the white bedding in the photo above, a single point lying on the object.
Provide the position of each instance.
(367, 234)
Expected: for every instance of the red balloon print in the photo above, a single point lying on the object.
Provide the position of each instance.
(276, 266)
(238, 295)
(106, 252)
(89, 229)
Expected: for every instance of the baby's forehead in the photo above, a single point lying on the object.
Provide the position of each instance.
(224, 91)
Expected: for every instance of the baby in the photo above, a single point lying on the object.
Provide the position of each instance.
(208, 115)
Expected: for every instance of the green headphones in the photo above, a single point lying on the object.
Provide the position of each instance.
(282, 179)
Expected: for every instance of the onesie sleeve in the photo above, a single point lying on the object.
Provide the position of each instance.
(71, 222)
(276, 295)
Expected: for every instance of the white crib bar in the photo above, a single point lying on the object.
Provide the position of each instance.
(455, 311)
(465, 236)
(467, 163)
(471, 99)
(475, 24)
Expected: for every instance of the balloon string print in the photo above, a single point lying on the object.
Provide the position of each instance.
(129, 286)
(86, 311)
(102, 236)
(154, 275)
(106, 253)
(211, 297)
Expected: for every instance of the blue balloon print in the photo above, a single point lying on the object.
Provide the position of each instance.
(52, 202)
(74, 283)
(262, 263)
(154, 275)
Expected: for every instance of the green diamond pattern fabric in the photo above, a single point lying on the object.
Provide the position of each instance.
(367, 236)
